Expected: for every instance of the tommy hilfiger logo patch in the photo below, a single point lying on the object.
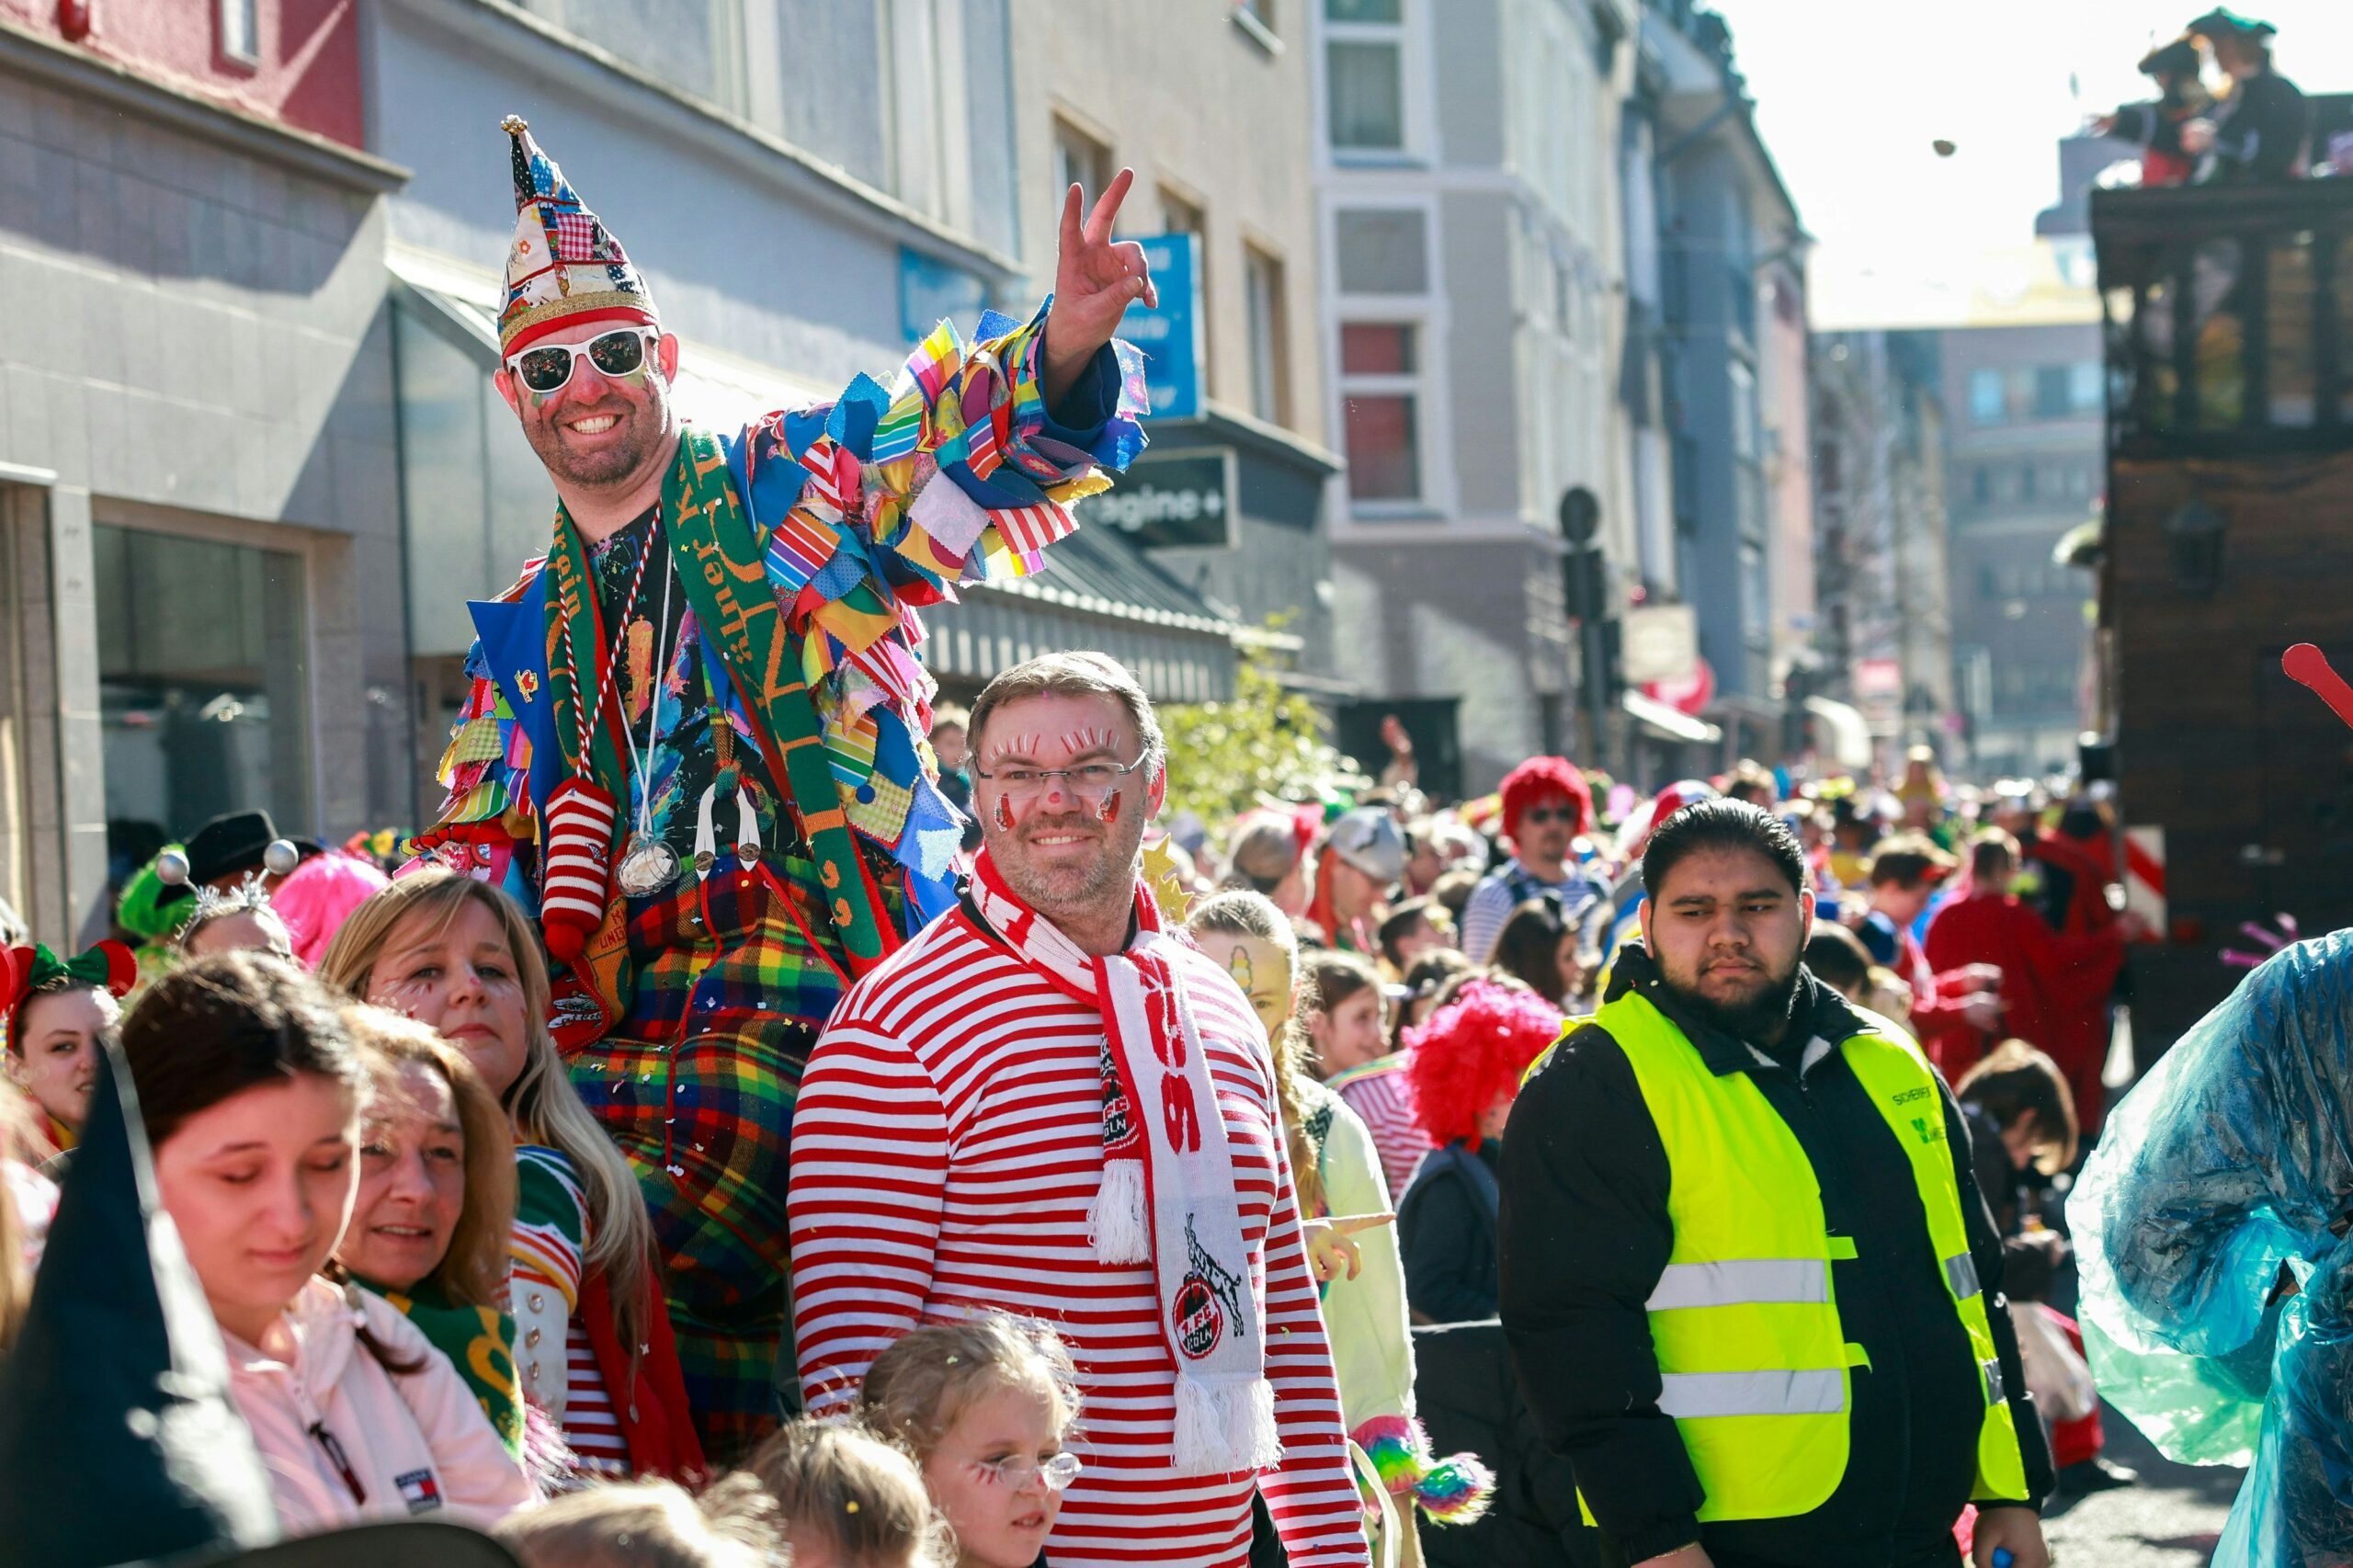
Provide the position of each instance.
(419, 1491)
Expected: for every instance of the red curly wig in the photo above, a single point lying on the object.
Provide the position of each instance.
(1472, 1053)
(1545, 778)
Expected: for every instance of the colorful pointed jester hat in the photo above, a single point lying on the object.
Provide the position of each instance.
(565, 268)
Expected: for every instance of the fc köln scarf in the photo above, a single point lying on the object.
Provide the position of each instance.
(1168, 1193)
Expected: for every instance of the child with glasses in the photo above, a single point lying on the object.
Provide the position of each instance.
(984, 1406)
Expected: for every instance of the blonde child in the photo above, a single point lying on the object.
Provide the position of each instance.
(984, 1406)
(651, 1524)
(849, 1499)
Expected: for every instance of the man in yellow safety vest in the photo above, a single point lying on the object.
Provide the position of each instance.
(1751, 1286)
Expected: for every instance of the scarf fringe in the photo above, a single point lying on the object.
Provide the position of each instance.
(1225, 1425)
(1120, 1225)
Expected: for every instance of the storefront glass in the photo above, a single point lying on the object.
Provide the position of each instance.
(204, 675)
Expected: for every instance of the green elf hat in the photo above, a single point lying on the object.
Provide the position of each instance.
(565, 268)
(151, 906)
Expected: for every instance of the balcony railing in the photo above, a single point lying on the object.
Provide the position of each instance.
(2226, 311)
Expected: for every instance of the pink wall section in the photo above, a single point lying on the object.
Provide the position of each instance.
(307, 77)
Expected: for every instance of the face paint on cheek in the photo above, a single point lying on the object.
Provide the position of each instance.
(1003, 814)
(1109, 812)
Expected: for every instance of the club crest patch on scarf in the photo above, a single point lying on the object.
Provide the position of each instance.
(1210, 1297)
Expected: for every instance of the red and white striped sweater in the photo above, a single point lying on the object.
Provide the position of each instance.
(947, 1146)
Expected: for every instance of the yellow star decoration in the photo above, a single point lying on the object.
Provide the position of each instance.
(1167, 880)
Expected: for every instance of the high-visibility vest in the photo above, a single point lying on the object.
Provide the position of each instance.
(1753, 1364)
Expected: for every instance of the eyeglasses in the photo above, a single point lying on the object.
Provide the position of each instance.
(1549, 814)
(1017, 1471)
(546, 369)
(1090, 781)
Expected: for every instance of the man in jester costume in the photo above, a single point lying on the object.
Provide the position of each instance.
(695, 745)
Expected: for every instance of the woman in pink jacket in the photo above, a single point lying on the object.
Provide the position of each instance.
(251, 1093)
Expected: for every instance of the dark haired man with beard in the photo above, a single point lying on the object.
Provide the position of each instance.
(1748, 1276)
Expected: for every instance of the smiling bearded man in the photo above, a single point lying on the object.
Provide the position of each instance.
(694, 746)
(1048, 1105)
(1750, 1285)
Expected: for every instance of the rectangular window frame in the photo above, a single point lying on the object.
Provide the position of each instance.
(1267, 330)
(1415, 384)
(239, 24)
(1409, 35)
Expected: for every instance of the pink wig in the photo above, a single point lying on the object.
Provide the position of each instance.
(1544, 778)
(1472, 1053)
(319, 895)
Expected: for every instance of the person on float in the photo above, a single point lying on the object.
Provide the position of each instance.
(694, 748)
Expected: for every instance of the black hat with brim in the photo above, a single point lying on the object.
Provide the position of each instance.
(2222, 19)
(2178, 58)
(234, 843)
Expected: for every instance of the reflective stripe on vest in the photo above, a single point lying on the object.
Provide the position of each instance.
(1685, 1395)
(1741, 1280)
(1753, 1365)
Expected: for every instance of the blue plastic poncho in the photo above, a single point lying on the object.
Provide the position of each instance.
(2231, 1162)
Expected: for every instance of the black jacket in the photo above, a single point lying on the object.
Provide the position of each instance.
(2261, 134)
(1585, 1235)
(1446, 1238)
(1469, 1400)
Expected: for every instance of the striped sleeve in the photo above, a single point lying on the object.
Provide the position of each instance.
(1384, 1100)
(863, 1205)
(1484, 917)
(1310, 1495)
(550, 1221)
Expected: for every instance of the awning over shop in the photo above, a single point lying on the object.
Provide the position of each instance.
(1847, 731)
(1669, 724)
(1098, 592)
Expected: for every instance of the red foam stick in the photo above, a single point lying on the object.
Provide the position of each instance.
(2308, 666)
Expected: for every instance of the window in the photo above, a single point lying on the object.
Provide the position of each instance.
(1080, 160)
(2085, 386)
(1380, 389)
(241, 30)
(1180, 213)
(1269, 336)
(1382, 250)
(1987, 404)
(2053, 392)
(1364, 72)
(203, 664)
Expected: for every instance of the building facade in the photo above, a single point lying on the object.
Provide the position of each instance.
(1732, 310)
(198, 491)
(2024, 467)
(1472, 295)
(1209, 104)
(1884, 620)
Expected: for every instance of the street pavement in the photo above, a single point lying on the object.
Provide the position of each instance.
(2170, 1520)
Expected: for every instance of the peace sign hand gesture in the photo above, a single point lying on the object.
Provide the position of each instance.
(1095, 279)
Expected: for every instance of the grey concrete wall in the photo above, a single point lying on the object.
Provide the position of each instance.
(196, 327)
(730, 257)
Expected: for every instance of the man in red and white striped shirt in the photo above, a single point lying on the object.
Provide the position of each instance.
(951, 1139)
